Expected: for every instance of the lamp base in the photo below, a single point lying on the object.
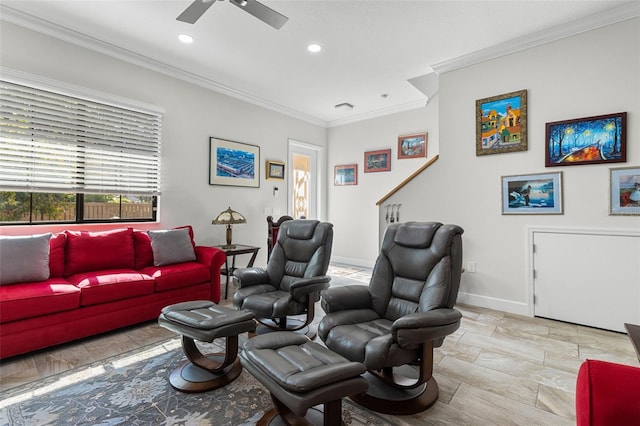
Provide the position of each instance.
(228, 246)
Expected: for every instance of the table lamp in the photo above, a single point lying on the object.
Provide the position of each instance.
(229, 217)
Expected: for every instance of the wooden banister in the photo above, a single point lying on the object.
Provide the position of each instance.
(407, 180)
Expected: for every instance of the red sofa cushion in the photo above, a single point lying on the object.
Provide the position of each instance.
(112, 284)
(27, 300)
(56, 255)
(607, 394)
(96, 251)
(179, 275)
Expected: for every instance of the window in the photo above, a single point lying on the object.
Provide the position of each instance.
(66, 158)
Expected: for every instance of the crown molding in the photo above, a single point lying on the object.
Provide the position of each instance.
(621, 13)
(379, 113)
(48, 28)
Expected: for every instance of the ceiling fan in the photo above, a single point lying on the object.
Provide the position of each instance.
(255, 8)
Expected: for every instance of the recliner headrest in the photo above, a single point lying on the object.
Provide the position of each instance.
(412, 234)
(300, 229)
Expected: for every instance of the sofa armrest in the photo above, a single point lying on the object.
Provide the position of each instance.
(214, 258)
(346, 297)
(305, 286)
(607, 394)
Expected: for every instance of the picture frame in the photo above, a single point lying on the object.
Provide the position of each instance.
(345, 175)
(624, 198)
(377, 161)
(412, 146)
(501, 123)
(233, 163)
(532, 194)
(589, 140)
(275, 170)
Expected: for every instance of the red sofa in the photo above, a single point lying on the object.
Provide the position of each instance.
(100, 281)
(607, 394)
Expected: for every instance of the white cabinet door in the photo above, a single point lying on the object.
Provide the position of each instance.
(589, 279)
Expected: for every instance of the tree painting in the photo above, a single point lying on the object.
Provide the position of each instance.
(600, 139)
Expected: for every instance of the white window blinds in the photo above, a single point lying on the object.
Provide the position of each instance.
(53, 142)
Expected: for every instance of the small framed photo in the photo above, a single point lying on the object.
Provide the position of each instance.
(625, 191)
(532, 194)
(590, 140)
(345, 175)
(501, 123)
(233, 163)
(275, 170)
(377, 161)
(412, 146)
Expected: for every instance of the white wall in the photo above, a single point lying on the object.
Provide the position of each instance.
(352, 209)
(594, 73)
(192, 115)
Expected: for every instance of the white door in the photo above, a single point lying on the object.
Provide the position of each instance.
(589, 279)
(304, 192)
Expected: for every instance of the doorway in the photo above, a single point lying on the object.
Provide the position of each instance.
(304, 178)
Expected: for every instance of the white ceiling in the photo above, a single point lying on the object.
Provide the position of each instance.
(370, 48)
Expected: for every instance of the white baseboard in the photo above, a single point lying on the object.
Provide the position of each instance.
(352, 261)
(519, 308)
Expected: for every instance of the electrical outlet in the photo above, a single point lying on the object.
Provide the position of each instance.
(471, 266)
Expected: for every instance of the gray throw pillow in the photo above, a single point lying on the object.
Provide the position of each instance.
(171, 246)
(24, 259)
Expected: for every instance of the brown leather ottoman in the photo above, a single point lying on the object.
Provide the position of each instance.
(204, 321)
(301, 374)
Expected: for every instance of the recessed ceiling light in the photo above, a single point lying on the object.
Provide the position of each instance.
(185, 38)
(314, 48)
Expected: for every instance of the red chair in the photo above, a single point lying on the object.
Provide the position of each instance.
(272, 235)
(607, 394)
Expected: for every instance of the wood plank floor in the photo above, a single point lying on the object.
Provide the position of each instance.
(498, 368)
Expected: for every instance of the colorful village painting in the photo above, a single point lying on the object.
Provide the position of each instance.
(502, 124)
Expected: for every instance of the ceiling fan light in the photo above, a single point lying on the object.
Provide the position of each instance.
(242, 3)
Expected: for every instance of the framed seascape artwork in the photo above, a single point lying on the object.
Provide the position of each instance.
(233, 163)
(275, 170)
(532, 194)
(501, 123)
(412, 146)
(590, 140)
(377, 161)
(345, 175)
(625, 191)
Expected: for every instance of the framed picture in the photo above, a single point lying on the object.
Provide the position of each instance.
(377, 161)
(412, 146)
(501, 123)
(345, 175)
(532, 194)
(275, 170)
(625, 191)
(590, 140)
(233, 163)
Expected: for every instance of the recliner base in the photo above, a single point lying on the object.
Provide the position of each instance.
(387, 399)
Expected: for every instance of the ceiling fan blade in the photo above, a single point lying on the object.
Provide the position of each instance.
(195, 10)
(262, 12)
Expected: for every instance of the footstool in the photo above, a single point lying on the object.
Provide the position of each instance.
(301, 374)
(205, 321)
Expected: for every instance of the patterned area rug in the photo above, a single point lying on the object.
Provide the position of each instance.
(134, 389)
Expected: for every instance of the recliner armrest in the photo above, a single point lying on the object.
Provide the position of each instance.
(345, 298)
(248, 277)
(305, 286)
(420, 327)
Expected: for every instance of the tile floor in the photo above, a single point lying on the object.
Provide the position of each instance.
(497, 369)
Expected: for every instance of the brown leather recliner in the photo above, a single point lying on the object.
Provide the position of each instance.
(291, 283)
(392, 325)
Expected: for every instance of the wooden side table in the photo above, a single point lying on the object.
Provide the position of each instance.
(233, 252)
